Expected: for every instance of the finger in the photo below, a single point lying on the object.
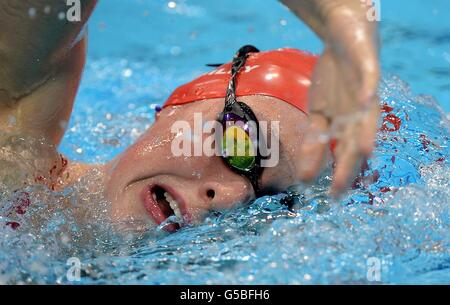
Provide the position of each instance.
(363, 69)
(313, 148)
(370, 74)
(347, 160)
(368, 129)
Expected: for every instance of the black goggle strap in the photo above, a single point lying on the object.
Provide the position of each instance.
(238, 62)
(254, 174)
(254, 178)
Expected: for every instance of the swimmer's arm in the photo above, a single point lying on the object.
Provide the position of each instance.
(343, 97)
(41, 59)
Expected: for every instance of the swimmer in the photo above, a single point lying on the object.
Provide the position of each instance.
(333, 97)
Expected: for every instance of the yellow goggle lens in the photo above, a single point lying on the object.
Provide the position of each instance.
(238, 148)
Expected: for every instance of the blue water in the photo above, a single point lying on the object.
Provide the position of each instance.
(139, 52)
(415, 36)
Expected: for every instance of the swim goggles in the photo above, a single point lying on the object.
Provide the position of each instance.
(239, 145)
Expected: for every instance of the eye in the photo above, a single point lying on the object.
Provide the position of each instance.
(238, 149)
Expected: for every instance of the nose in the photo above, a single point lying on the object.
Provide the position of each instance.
(225, 195)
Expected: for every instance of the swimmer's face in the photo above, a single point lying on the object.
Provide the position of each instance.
(148, 183)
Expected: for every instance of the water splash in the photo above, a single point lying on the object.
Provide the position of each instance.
(398, 211)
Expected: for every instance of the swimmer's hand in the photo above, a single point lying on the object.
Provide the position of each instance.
(343, 96)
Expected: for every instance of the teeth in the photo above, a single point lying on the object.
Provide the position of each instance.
(174, 205)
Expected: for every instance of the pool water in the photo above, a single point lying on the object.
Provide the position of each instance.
(397, 215)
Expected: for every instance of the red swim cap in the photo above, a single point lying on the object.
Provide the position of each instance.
(284, 74)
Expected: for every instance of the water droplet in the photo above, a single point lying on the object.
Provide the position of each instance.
(127, 73)
(63, 124)
(12, 120)
(61, 16)
(47, 9)
(175, 51)
(32, 12)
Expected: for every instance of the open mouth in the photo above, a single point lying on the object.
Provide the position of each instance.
(161, 204)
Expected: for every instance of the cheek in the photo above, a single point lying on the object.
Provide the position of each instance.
(129, 205)
(278, 180)
(285, 173)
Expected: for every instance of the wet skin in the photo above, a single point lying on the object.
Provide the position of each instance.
(200, 184)
(41, 61)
